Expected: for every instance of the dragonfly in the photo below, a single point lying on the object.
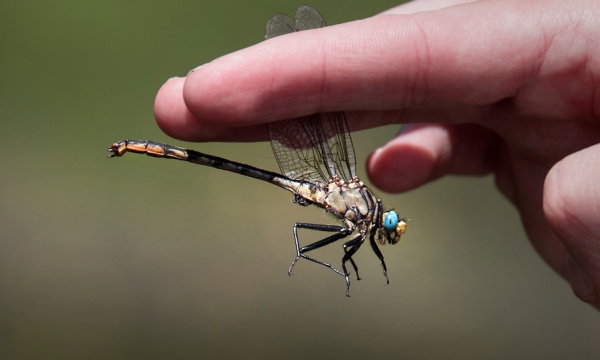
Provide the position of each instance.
(318, 165)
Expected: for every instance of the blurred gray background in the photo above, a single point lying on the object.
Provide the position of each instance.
(147, 258)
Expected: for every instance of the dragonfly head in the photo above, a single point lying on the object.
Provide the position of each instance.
(392, 227)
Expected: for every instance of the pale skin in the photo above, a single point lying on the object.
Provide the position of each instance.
(503, 87)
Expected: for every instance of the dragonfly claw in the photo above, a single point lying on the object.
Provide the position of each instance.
(291, 266)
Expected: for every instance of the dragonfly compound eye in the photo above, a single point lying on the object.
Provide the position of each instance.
(390, 221)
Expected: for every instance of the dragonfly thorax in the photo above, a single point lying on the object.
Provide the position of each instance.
(352, 200)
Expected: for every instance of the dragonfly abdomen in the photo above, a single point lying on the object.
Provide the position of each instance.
(156, 149)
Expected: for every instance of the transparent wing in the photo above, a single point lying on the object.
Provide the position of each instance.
(314, 148)
(306, 18)
(279, 24)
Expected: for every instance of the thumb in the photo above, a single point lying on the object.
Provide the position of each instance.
(572, 208)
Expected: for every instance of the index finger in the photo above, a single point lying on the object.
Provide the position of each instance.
(387, 68)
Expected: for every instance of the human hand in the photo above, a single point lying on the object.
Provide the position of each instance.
(508, 87)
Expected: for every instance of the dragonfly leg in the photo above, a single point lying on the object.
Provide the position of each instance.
(348, 244)
(379, 255)
(342, 232)
(354, 245)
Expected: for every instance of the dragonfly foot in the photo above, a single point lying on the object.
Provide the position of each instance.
(347, 287)
(291, 266)
(387, 279)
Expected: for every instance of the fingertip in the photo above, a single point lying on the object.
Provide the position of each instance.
(570, 205)
(232, 88)
(174, 118)
(582, 285)
(203, 91)
(401, 165)
(553, 205)
(569, 196)
(170, 111)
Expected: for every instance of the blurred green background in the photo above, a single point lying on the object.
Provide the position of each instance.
(144, 258)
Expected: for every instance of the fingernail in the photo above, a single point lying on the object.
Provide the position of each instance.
(198, 67)
(173, 78)
(580, 282)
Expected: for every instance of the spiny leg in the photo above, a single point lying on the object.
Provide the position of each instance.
(379, 255)
(342, 233)
(347, 244)
(354, 245)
